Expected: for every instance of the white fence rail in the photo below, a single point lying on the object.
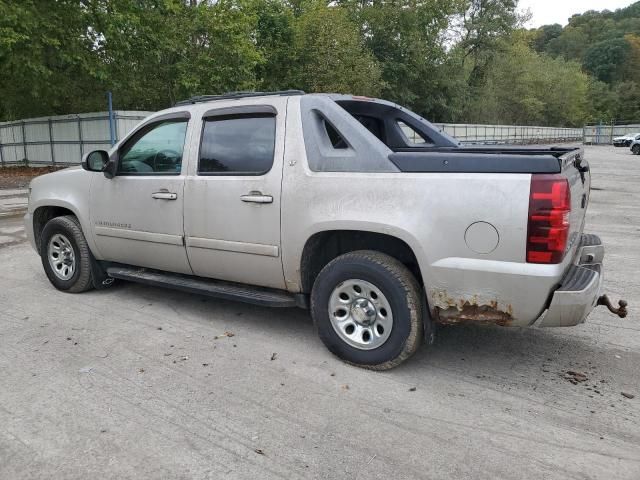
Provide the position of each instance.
(510, 134)
(61, 139)
(64, 139)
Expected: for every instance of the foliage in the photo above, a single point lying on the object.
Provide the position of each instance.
(525, 87)
(46, 65)
(407, 39)
(274, 36)
(449, 60)
(627, 95)
(330, 55)
(607, 45)
(606, 60)
(602, 102)
(156, 52)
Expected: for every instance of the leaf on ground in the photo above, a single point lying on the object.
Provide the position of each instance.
(225, 334)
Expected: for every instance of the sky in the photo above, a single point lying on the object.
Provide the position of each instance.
(546, 12)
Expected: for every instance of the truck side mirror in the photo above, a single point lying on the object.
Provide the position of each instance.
(95, 161)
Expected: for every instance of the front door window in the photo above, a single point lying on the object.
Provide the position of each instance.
(155, 150)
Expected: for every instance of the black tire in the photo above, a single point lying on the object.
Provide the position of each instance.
(81, 279)
(635, 149)
(402, 292)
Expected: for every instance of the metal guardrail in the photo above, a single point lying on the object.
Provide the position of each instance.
(61, 140)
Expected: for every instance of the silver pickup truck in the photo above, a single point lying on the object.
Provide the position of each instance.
(356, 208)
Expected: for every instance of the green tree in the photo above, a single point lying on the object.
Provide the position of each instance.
(544, 35)
(484, 24)
(606, 60)
(602, 102)
(220, 54)
(628, 99)
(330, 55)
(524, 87)
(449, 60)
(631, 69)
(408, 38)
(47, 62)
(157, 52)
(570, 45)
(274, 34)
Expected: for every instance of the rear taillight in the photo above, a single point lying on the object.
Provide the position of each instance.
(549, 211)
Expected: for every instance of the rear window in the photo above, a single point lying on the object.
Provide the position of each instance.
(239, 145)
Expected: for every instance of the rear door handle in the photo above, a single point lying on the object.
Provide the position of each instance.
(164, 195)
(257, 197)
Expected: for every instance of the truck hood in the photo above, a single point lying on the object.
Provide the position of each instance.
(50, 178)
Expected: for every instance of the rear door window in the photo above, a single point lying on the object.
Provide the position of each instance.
(237, 145)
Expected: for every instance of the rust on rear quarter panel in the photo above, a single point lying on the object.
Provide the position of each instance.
(452, 311)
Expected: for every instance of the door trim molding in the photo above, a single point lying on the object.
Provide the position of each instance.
(229, 246)
(139, 235)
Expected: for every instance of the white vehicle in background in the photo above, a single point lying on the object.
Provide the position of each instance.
(626, 140)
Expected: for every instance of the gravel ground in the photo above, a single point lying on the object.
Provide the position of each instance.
(138, 382)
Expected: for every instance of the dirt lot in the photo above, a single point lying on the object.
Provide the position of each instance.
(138, 382)
(19, 177)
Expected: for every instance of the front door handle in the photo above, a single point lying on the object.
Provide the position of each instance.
(257, 197)
(164, 195)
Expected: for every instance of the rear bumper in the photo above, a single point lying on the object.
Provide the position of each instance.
(579, 289)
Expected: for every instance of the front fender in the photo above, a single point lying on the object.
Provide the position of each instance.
(68, 189)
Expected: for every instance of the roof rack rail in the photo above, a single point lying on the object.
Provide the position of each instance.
(231, 95)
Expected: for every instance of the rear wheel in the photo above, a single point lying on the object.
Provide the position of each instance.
(65, 255)
(368, 310)
(636, 149)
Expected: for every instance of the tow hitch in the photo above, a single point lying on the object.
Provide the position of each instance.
(621, 311)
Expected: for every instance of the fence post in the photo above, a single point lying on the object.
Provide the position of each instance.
(80, 137)
(1, 156)
(53, 155)
(611, 136)
(24, 144)
(112, 128)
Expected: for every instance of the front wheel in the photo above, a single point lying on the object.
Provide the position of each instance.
(65, 255)
(368, 310)
(636, 149)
